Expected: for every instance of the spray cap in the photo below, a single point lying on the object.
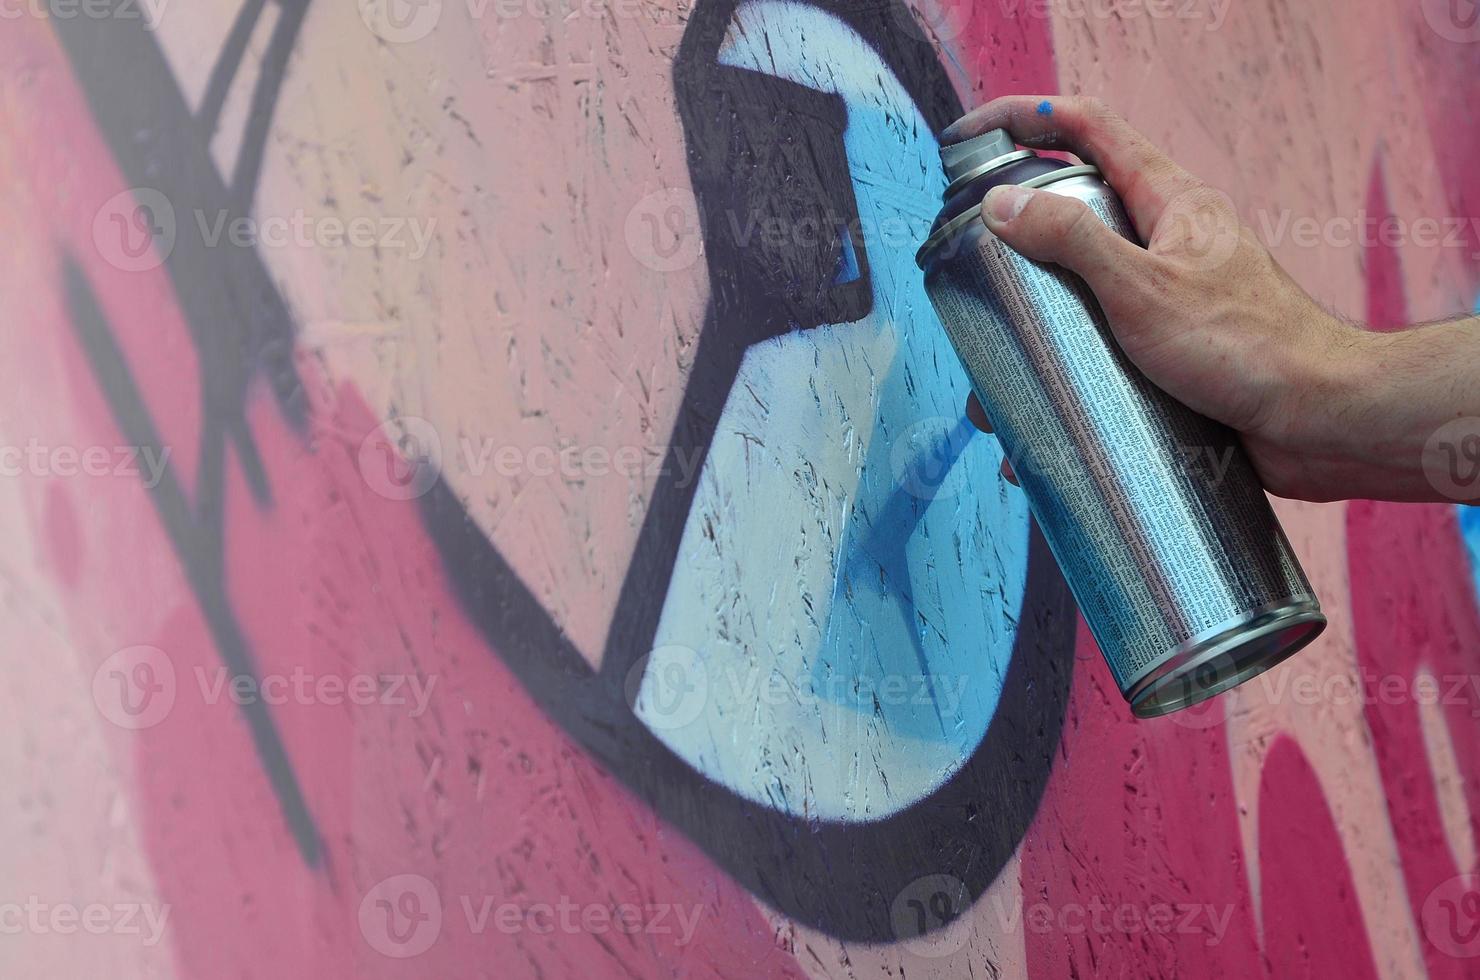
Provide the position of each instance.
(968, 155)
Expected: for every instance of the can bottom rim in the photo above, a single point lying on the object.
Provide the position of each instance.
(1224, 661)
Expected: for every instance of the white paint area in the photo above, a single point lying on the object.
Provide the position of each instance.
(840, 627)
(1449, 780)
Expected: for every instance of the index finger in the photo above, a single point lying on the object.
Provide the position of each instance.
(1145, 178)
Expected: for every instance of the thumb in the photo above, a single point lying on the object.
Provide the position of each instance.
(1051, 227)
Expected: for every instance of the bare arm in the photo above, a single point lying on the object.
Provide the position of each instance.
(1326, 410)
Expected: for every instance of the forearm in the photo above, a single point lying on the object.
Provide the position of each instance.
(1394, 416)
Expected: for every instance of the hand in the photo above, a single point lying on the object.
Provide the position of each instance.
(1203, 310)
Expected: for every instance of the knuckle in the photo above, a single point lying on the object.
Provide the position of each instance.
(1180, 185)
(1091, 107)
(1095, 114)
(1161, 278)
(1077, 224)
(1208, 199)
(1137, 298)
(1045, 216)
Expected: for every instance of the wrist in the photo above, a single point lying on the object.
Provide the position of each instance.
(1325, 380)
(1361, 405)
(1320, 437)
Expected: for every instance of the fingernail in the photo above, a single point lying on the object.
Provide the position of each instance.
(1005, 202)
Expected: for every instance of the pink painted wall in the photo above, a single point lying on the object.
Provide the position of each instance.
(485, 499)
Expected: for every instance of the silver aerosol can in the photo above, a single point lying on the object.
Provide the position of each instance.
(1154, 513)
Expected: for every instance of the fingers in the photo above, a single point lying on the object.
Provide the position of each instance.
(977, 414)
(1144, 177)
(1054, 228)
(978, 417)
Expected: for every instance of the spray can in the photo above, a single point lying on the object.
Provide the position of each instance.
(1153, 512)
